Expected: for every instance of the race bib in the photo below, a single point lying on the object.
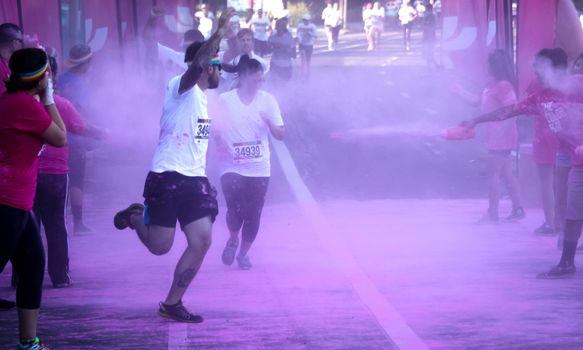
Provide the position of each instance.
(247, 152)
(202, 129)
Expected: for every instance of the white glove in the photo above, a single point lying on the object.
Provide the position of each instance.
(47, 96)
(579, 151)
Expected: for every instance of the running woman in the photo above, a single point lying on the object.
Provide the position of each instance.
(558, 106)
(26, 124)
(306, 35)
(177, 188)
(248, 116)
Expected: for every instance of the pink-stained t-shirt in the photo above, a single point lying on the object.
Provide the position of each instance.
(502, 135)
(54, 160)
(560, 115)
(544, 144)
(4, 74)
(23, 120)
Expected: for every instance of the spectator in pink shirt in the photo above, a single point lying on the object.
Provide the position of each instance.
(558, 107)
(502, 136)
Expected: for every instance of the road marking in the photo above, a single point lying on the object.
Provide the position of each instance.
(393, 324)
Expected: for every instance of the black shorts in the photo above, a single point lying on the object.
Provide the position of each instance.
(171, 196)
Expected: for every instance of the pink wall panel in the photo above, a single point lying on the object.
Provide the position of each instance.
(8, 11)
(42, 18)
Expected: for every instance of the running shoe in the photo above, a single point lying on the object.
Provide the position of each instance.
(121, 220)
(545, 229)
(244, 262)
(178, 313)
(66, 283)
(33, 345)
(488, 218)
(557, 272)
(229, 252)
(6, 305)
(515, 215)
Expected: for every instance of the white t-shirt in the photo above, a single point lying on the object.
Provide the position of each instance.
(206, 24)
(231, 79)
(241, 130)
(407, 14)
(306, 33)
(260, 27)
(332, 17)
(184, 132)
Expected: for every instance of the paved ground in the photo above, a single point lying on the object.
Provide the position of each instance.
(387, 256)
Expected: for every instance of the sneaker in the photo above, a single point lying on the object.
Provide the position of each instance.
(229, 252)
(6, 305)
(121, 220)
(558, 272)
(178, 313)
(545, 229)
(63, 284)
(515, 215)
(33, 345)
(81, 229)
(244, 262)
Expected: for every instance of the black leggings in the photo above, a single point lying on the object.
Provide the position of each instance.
(245, 197)
(49, 207)
(20, 242)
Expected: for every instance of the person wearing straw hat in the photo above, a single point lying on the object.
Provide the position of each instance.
(176, 187)
(73, 86)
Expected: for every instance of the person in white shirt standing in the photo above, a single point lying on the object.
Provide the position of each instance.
(332, 22)
(177, 188)
(206, 20)
(261, 26)
(245, 46)
(248, 116)
(306, 35)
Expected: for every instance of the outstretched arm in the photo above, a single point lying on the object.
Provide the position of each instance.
(205, 54)
(500, 114)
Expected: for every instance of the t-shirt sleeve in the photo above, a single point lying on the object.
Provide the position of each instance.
(71, 117)
(33, 119)
(273, 111)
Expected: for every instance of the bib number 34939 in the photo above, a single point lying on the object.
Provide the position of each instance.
(247, 152)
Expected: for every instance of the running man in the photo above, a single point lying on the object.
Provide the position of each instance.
(248, 115)
(558, 105)
(177, 187)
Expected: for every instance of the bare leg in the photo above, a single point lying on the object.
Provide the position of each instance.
(199, 237)
(157, 239)
(27, 320)
(511, 183)
(546, 174)
(495, 163)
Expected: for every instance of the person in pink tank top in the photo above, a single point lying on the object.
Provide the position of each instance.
(502, 136)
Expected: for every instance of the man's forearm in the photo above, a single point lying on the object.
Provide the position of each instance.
(499, 114)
